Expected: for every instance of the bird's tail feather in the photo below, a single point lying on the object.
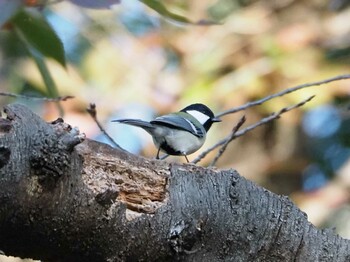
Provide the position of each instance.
(135, 122)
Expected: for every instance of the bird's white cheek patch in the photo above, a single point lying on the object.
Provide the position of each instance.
(202, 118)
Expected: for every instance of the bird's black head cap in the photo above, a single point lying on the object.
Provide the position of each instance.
(206, 111)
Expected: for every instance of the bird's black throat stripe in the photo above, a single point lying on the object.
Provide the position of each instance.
(169, 150)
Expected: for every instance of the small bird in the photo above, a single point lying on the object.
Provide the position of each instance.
(181, 133)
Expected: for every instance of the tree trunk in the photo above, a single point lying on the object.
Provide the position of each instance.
(62, 199)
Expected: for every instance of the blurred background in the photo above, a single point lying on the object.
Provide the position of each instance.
(132, 62)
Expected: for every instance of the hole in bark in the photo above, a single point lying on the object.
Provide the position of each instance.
(107, 197)
(5, 154)
(5, 125)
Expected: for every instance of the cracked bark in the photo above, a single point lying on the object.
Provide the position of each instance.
(62, 199)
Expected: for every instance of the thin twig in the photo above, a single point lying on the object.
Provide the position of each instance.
(47, 99)
(229, 139)
(93, 113)
(282, 93)
(164, 156)
(251, 127)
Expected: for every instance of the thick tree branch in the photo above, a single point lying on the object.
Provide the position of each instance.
(90, 202)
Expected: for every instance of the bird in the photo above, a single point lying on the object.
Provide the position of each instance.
(181, 133)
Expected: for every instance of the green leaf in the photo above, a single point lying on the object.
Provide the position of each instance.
(161, 9)
(38, 33)
(8, 9)
(39, 59)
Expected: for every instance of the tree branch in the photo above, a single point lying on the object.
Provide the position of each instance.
(250, 128)
(229, 139)
(91, 202)
(93, 113)
(55, 99)
(282, 93)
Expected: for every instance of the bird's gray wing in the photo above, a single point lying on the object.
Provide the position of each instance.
(178, 122)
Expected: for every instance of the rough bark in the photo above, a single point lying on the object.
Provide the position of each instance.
(63, 200)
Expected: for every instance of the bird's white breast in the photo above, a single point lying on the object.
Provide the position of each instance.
(179, 140)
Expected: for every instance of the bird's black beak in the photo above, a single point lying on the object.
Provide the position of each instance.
(216, 119)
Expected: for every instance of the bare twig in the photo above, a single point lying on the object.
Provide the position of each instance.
(47, 99)
(229, 139)
(282, 93)
(92, 112)
(251, 127)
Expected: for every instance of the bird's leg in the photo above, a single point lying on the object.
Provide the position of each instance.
(157, 157)
(186, 158)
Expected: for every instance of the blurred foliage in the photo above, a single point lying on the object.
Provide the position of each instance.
(134, 62)
(38, 34)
